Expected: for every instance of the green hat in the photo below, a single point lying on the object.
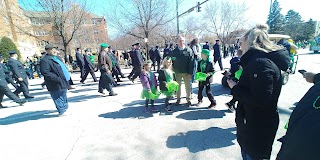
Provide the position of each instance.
(104, 45)
(206, 52)
(148, 62)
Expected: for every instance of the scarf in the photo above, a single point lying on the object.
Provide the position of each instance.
(63, 67)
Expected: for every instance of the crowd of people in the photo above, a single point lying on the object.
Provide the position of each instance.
(256, 89)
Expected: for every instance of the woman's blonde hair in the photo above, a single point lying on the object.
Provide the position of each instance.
(165, 63)
(257, 38)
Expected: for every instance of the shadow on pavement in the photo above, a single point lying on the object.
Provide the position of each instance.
(216, 88)
(82, 98)
(198, 140)
(130, 112)
(202, 114)
(27, 116)
(83, 90)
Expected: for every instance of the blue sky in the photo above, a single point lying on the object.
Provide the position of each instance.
(257, 13)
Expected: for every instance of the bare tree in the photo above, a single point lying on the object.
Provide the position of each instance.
(224, 17)
(139, 18)
(66, 17)
(192, 26)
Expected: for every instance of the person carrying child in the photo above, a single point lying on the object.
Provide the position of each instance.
(149, 83)
(237, 75)
(168, 86)
(204, 76)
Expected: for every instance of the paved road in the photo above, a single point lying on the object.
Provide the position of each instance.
(118, 128)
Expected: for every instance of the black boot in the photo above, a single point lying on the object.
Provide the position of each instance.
(146, 106)
(153, 109)
(168, 105)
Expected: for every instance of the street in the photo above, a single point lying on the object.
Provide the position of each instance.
(102, 128)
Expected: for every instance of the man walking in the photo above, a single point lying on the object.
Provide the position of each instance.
(206, 46)
(20, 74)
(8, 74)
(182, 58)
(105, 66)
(217, 54)
(131, 60)
(80, 62)
(166, 51)
(157, 57)
(56, 77)
(137, 62)
(88, 67)
(5, 90)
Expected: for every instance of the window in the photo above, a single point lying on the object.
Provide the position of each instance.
(96, 31)
(37, 33)
(17, 21)
(83, 21)
(94, 22)
(44, 33)
(71, 21)
(5, 20)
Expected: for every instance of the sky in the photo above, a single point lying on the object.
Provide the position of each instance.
(257, 13)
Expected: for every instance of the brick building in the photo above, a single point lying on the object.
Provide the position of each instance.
(91, 33)
(15, 25)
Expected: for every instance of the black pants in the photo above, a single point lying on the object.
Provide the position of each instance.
(136, 71)
(10, 80)
(105, 82)
(115, 73)
(219, 61)
(158, 64)
(208, 91)
(119, 70)
(23, 87)
(82, 71)
(87, 71)
(5, 90)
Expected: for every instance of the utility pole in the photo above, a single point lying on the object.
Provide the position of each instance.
(177, 8)
(188, 11)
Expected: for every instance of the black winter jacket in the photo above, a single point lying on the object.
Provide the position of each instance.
(209, 69)
(53, 74)
(302, 138)
(257, 93)
(182, 60)
(163, 80)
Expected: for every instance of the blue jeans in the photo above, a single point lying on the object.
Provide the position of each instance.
(60, 100)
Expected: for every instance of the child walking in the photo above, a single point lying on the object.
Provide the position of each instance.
(149, 83)
(168, 86)
(204, 76)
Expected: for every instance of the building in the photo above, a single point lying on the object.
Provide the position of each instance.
(92, 31)
(15, 25)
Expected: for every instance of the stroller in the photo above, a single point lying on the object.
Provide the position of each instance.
(235, 65)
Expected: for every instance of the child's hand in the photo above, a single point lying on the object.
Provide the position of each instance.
(231, 83)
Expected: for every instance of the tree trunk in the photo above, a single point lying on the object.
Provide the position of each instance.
(66, 59)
